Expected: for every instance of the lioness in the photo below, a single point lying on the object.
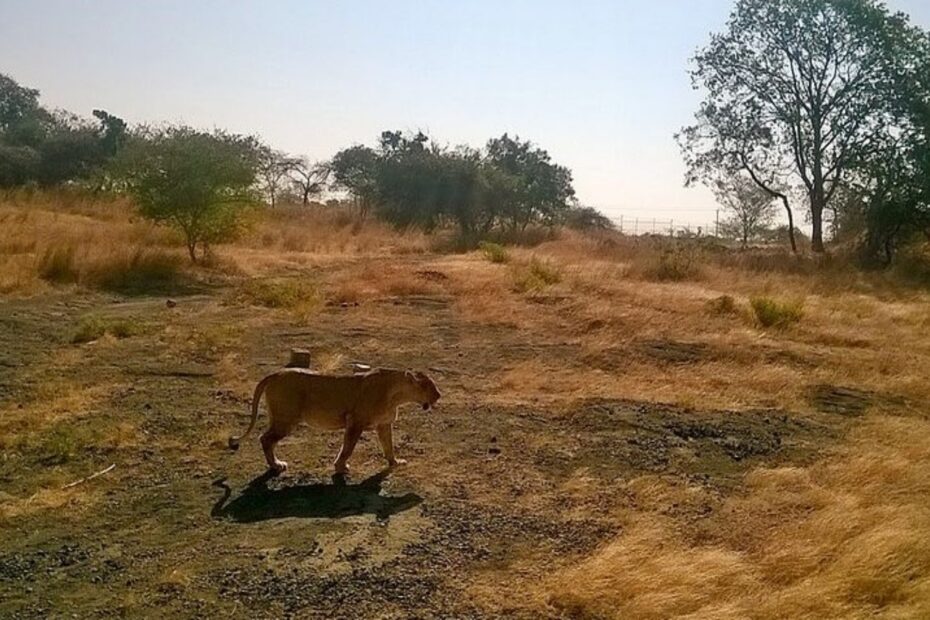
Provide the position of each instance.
(354, 403)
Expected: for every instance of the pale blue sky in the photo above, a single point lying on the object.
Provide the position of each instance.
(602, 85)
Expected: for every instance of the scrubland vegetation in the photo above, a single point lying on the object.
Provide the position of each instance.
(631, 426)
(779, 471)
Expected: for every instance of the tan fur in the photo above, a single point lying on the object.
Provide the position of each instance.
(352, 403)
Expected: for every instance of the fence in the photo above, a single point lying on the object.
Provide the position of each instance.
(636, 225)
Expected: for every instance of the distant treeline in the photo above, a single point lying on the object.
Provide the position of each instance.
(201, 182)
(817, 105)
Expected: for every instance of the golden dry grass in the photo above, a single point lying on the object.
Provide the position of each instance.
(845, 536)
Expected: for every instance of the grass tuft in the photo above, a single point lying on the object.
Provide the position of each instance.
(536, 276)
(58, 265)
(725, 304)
(674, 263)
(494, 252)
(770, 312)
(299, 294)
(93, 327)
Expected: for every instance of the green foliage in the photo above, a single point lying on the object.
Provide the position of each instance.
(535, 189)
(414, 182)
(494, 252)
(199, 183)
(18, 105)
(773, 313)
(45, 148)
(355, 169)
(800, 95)
(587, 219)
(93, 327)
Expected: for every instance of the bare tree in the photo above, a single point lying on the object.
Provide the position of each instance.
(308, 179)
(750, 207)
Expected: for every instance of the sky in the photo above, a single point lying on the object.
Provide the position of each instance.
(603, 86)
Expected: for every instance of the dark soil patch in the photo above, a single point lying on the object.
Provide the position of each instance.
(840, 400)
(674, 352)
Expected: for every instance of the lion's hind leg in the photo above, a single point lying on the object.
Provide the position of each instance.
(281, 422)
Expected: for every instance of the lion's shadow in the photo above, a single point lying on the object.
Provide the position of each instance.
(259, 502)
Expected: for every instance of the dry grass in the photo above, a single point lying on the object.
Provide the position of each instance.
(846, 537)
(328, 231)
(55, 239)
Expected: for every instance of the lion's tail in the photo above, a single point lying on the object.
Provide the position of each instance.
(256, 398)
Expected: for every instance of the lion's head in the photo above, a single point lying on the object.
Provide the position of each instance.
(424, 390)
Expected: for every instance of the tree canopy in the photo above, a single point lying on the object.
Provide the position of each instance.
(195, 181)
(800, 95)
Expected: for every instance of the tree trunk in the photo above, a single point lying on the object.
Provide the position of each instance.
(192, 250)
(817, 201)
(794, 244)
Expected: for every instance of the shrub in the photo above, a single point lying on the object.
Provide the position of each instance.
(773, 313)
(93, 327)
(291, 294)
(494, 252)
(676, 262)
(57, 265)
(199, 183)
(141, 271)
(536, 276)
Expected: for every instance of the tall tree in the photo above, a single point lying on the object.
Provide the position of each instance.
(798, 94)
(355, 169)
(540, 189)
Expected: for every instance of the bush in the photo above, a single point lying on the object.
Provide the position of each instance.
(199, 183)
(676, 262)
(93, 327)
(587, 219)
(291, 294)
(536, 276)
(773, 313)
(57, 265)
(494, 252)
(142, 271)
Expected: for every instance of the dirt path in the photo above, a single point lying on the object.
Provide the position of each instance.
(183, 528)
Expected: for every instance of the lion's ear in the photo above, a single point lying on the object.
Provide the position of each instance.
(409, 374)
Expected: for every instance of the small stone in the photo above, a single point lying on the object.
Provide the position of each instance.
(171, 303)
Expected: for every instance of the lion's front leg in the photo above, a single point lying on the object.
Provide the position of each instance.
(386, 437)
